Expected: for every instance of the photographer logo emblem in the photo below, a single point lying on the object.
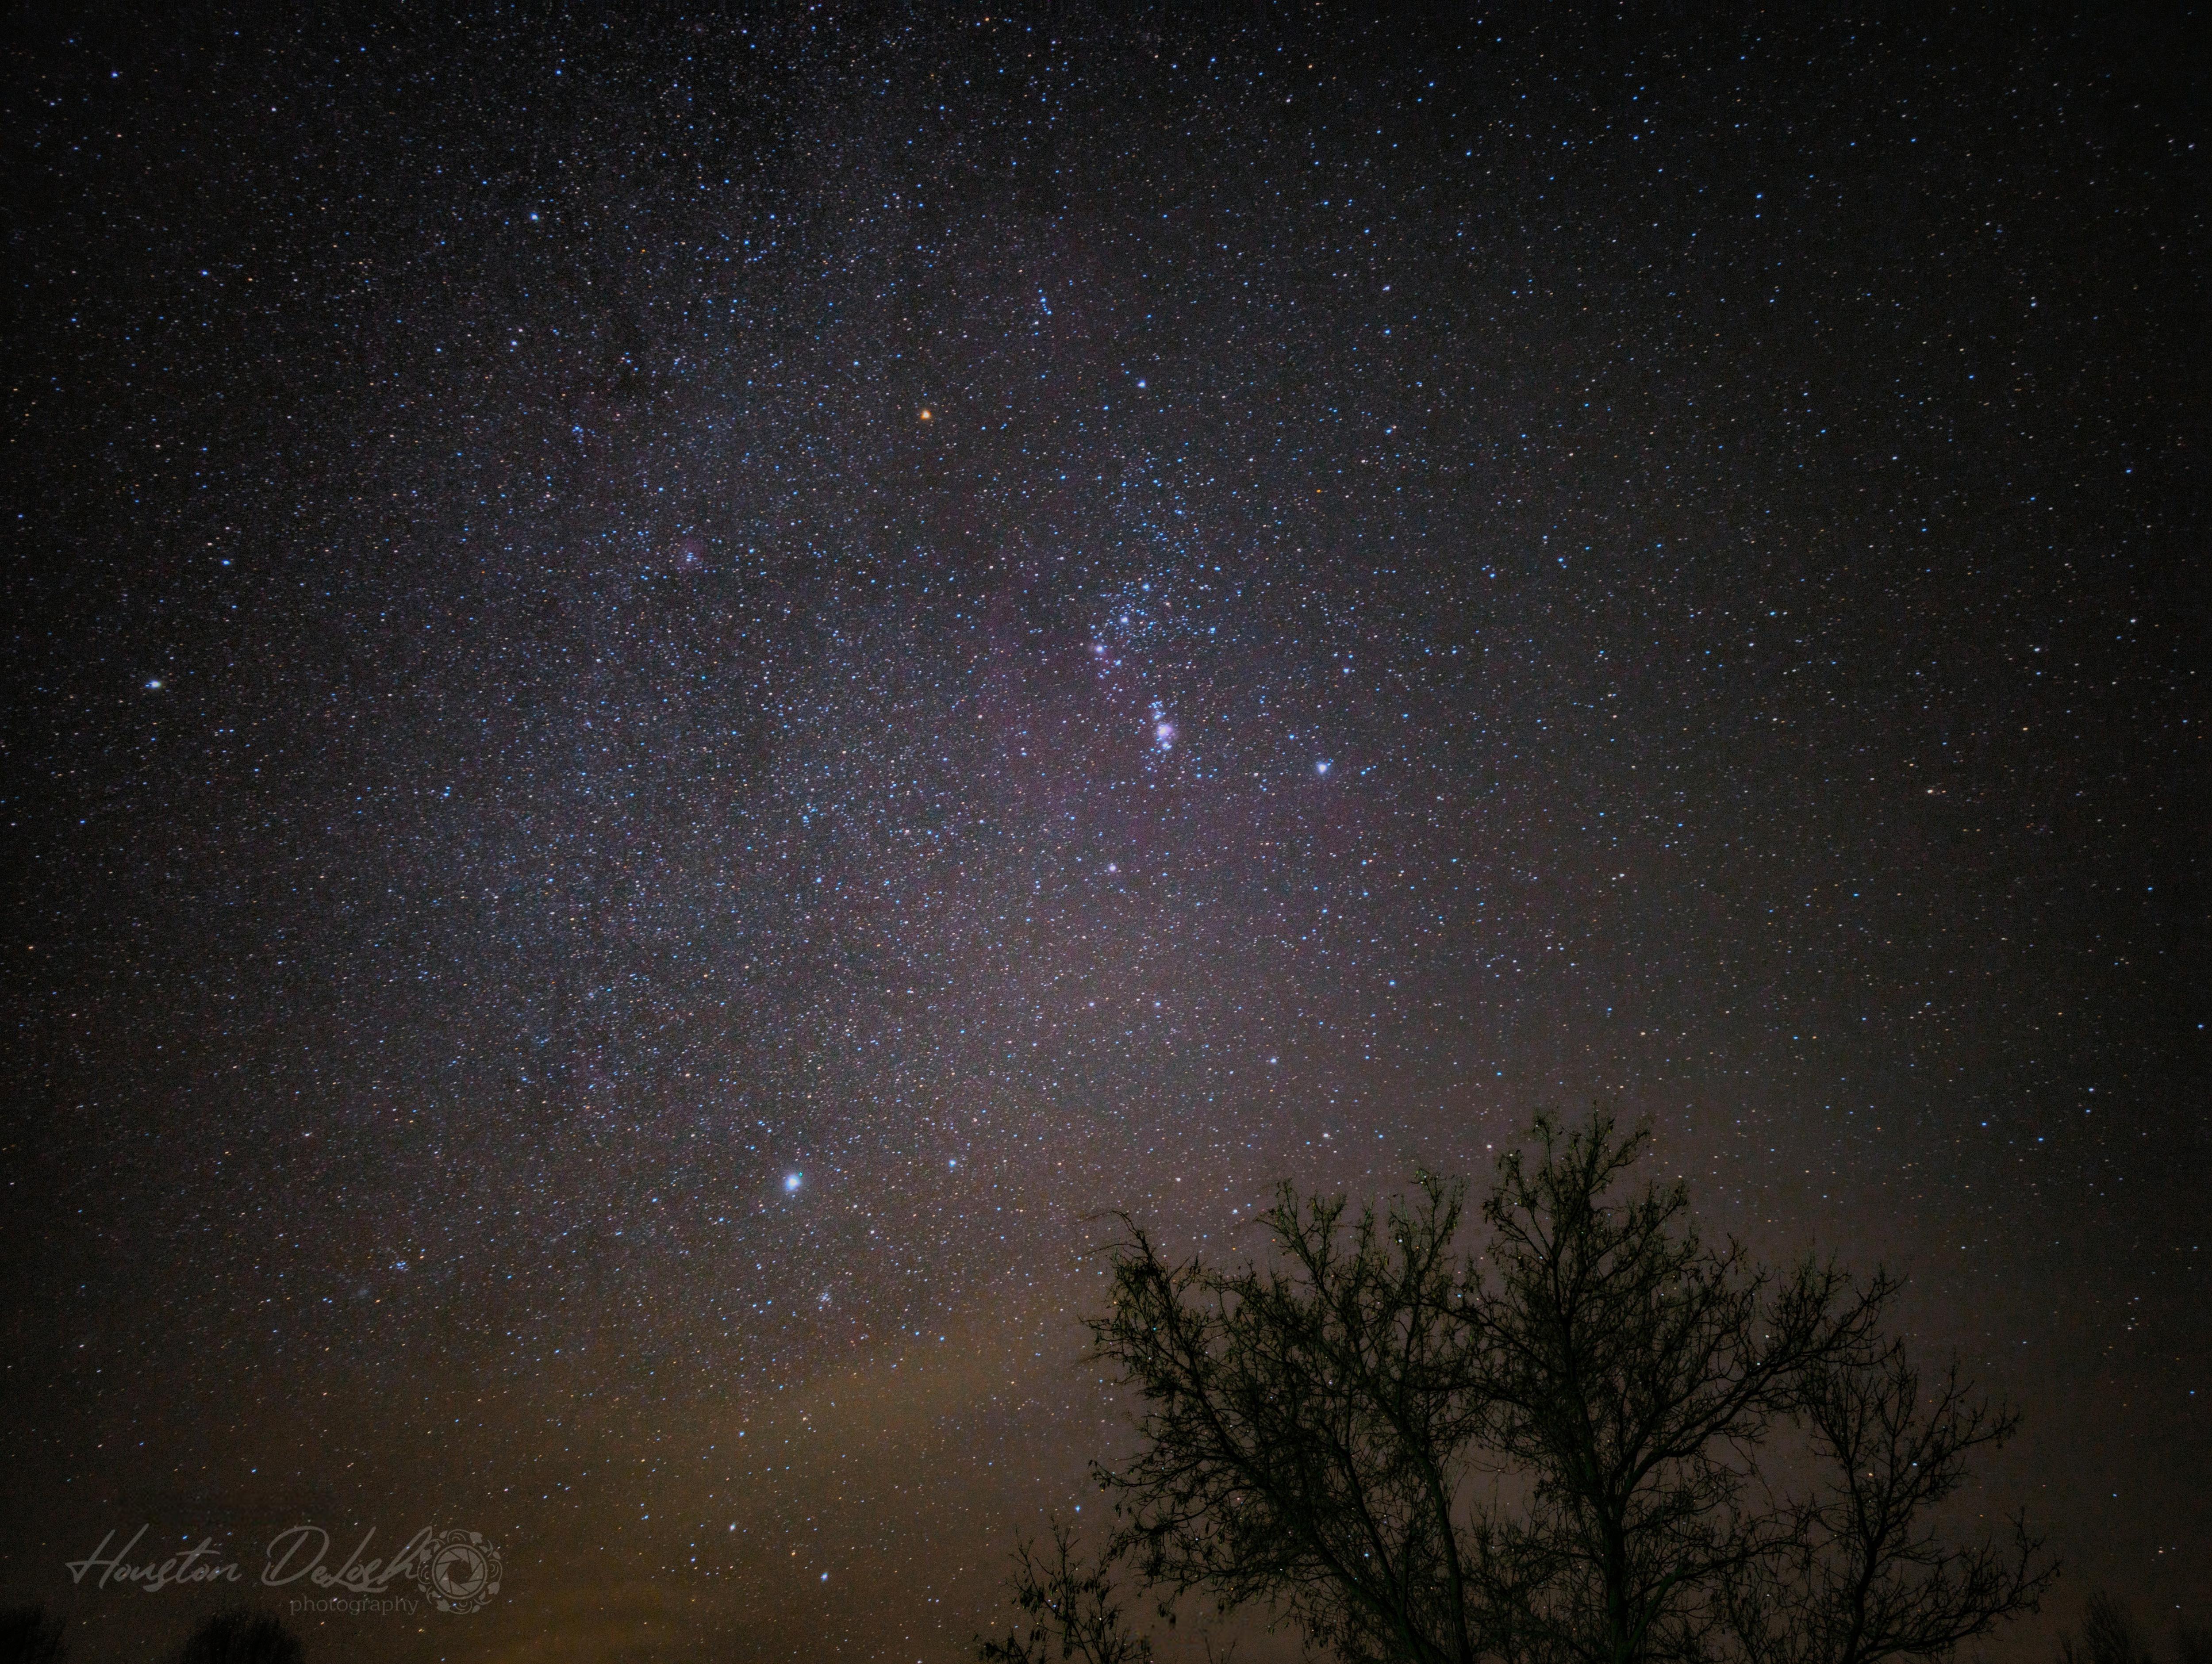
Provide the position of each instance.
(459, 1571)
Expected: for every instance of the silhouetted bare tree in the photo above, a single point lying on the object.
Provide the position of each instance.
(1867, 1576)
(1072, 1612)
(2109, 1635)
(1635, 1373)
(28, 1636)
(1308, 1426)
(1549, 1452)
(241, 1637)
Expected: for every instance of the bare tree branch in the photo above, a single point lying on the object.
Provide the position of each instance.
(1311, 1428)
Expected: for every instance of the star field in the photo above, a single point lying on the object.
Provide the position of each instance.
(683, 687)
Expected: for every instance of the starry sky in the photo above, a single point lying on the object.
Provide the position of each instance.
(683, 684)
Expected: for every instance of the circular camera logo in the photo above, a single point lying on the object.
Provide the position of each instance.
(460, 1570)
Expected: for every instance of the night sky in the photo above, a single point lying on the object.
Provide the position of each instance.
(679, 687)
